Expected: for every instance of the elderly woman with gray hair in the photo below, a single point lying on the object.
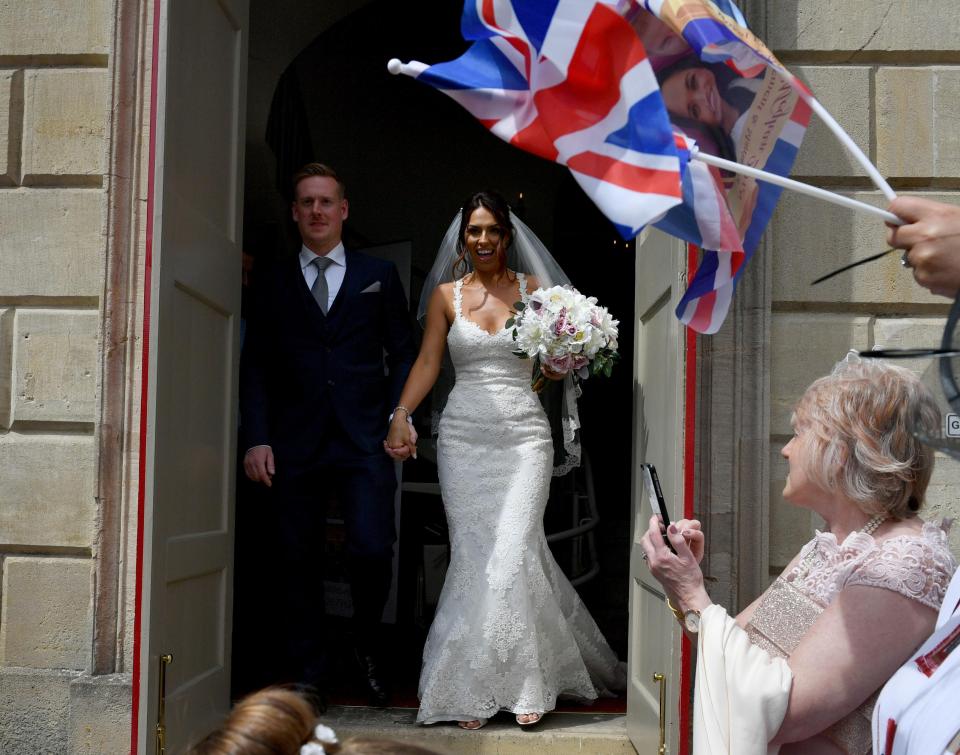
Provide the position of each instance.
(798, 670)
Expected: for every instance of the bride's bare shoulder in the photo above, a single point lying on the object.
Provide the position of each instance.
(442, 297)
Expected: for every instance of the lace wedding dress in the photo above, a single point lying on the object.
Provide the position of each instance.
(510, 632)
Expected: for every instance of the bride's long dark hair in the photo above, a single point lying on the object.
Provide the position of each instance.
(497, 206)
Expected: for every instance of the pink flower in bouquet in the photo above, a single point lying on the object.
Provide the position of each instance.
(561, 324)
(562, 363)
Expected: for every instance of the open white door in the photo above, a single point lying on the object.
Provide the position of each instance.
(193, 337)
(659, 380)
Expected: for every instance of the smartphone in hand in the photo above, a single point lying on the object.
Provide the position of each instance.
(651, 487)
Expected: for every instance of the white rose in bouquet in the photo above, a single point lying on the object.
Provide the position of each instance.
(568, 332)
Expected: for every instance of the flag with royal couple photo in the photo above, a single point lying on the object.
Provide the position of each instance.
(629, 94)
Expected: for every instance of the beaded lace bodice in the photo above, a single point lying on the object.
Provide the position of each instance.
(480, 357)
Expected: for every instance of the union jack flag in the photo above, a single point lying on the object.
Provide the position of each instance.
(570, 81)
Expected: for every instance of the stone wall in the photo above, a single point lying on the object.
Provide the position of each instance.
(890, 76)
(56, 90)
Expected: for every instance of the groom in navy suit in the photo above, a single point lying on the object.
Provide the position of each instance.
(315, 404)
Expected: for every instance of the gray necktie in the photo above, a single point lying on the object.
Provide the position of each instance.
(319, 288)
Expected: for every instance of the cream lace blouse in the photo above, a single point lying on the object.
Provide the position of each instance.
(918, 566)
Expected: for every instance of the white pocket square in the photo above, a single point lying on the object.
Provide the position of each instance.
(372, 288)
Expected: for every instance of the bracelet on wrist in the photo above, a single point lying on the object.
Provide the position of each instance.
(400, 408)
(675, 611)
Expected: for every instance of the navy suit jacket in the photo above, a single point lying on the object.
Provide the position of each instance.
(301, 369)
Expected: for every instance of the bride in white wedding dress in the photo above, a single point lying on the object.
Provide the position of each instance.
(510, 632)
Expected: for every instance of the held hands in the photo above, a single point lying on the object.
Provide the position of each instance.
(679, 574)
(931, 236)
(401, 442)
(258, 465)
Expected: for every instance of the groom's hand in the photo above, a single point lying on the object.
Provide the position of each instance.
(258, 464)
(401, 441)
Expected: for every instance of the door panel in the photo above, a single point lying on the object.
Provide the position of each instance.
(654, 642)
(192, 372)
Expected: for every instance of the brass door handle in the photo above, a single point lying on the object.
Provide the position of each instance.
(662, 681)
(162, 705)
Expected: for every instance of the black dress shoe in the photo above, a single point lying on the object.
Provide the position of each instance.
(378, 693)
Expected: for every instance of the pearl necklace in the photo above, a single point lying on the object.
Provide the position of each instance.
(803, 568)
(875, 521)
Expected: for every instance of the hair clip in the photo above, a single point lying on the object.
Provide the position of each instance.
(325, 735)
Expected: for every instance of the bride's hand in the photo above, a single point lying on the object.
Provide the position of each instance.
(546, 374)
(401, 442)
(550, 374)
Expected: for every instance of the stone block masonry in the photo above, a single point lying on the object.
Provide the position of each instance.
(55, 353)
(64, 127)
(48, 604)
(55, 112)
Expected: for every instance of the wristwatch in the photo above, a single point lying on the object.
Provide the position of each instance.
(691, 621)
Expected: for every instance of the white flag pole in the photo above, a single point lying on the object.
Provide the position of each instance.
(879, 181)
(798, 186)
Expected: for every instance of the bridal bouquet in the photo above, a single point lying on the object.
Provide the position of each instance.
(565, 331)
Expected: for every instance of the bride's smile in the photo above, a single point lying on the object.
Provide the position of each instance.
(486, 241)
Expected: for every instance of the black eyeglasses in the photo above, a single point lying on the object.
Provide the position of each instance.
(949, 379)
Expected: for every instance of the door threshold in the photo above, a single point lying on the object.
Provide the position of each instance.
(557, 734)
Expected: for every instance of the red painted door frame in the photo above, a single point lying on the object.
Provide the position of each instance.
(144, 377)
(689, 448)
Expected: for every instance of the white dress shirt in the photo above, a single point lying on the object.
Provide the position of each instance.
(334, 273)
